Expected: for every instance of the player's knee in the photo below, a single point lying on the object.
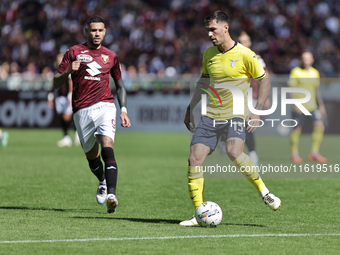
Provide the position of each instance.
(194, 160)
(233, 153)
(319, 124)
(94, 152)
(105, 141)
(298, 128)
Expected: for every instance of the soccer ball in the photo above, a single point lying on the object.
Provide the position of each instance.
(208, 214)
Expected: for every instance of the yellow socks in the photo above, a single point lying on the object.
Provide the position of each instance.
(243, 162)
(195, 185)
(249, 170)
(294, 140)
(317, 137)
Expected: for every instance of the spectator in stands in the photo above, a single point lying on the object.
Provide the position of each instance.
(14, 80)
(4, 70)
(171, 31)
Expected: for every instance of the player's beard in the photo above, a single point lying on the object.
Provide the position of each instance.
(215, 42)
(97, 43)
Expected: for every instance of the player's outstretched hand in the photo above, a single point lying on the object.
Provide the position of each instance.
(189, 121)
(125, 120)
(254, 122)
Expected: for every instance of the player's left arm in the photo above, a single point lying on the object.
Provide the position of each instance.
(320, 102)
(255, 70)
(261, 101)
(122, 100)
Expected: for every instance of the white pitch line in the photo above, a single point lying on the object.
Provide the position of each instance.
(165, 237)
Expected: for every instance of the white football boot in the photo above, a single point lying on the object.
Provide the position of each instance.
(4, 138)
(190, 222)
(65, 142)
(101, 193)
(111, 203)
(272, 201)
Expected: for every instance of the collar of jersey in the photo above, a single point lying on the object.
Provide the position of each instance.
(85, 44)
(229, 49)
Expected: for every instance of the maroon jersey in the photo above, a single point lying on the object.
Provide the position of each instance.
(91, 81)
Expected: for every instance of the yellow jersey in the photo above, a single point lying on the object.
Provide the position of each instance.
(307, 79)
(236, 67)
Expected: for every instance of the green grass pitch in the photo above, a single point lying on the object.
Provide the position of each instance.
(48, 203)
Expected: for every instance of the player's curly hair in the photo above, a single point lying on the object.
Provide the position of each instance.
(95, 19)
(218, 15)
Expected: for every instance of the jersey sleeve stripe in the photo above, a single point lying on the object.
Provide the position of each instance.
(260, 77)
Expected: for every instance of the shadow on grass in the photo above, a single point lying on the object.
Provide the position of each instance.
(244, 225)
(166, 221)
(132, 219)
(40, 209)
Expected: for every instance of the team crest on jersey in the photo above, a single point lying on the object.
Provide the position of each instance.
(233, 62)
(105, 58)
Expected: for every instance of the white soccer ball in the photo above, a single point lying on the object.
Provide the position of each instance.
(208, 214)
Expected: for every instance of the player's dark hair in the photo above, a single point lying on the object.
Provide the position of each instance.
(307, 51)
(218, 15)
(95, 19)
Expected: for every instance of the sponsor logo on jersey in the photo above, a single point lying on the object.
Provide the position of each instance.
(105, 58)
(91, 78)
(93, 68)
(84, 58)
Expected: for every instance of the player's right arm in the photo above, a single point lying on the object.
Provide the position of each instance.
(60, 78)
(196, 98)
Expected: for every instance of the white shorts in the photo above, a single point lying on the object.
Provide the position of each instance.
(97, 119)
(62, 105)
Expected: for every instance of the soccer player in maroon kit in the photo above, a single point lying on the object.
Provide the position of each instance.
(94, 112)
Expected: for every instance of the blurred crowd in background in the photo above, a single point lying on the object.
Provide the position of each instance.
(158, 40)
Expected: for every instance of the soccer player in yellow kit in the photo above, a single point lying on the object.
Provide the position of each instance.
(226, 62)
(307, 77)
